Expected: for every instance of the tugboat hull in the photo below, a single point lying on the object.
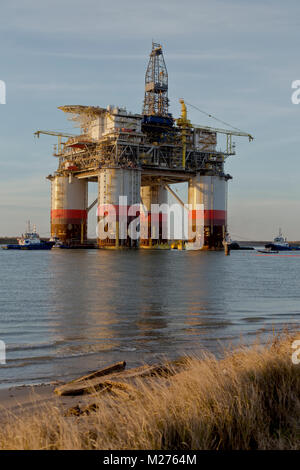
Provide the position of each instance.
(280, 244)
(273, 246)
(42, 246)
(30, 241)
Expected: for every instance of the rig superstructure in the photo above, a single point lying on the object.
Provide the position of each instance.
(139, 156)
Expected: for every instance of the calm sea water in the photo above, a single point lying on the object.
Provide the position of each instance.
(66, 312)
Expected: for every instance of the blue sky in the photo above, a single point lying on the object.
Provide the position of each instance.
(233, 58)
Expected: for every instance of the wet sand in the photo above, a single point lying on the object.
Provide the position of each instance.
(25, 399)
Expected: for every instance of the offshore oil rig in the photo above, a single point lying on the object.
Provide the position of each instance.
(139, 156)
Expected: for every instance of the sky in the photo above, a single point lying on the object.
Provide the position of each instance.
(235, 59)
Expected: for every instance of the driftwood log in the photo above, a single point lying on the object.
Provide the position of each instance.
(115, 376)
(118, 367)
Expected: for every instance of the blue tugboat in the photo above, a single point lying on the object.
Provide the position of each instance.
(280, 244)
(30, 241)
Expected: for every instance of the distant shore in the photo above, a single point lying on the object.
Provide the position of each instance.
(6, 240)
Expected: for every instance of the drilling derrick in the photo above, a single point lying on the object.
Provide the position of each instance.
(156, 101)
(157, 125)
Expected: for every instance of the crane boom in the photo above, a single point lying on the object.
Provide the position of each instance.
(58, 134)
(224, 131)
(185, 123)
(230, 147)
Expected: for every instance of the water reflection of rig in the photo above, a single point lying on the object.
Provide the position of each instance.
(139, 156)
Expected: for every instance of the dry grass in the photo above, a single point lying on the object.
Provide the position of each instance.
(248, 400)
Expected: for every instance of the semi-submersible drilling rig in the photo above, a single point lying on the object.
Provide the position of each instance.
(138, 156)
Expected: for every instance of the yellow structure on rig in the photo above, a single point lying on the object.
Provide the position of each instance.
(184, 124)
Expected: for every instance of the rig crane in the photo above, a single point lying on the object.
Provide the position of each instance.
(228, 132)
(184, 123)
(59, 135)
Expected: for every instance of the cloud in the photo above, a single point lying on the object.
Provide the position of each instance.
(135, 18)
(190, 56)
(57, 87)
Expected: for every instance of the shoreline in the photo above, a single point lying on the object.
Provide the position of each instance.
(24, 400)
(15, 396)
(246, 400)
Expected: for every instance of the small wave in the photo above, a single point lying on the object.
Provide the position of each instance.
(15, 363)
(254, 319)
(127, 349)
(31, 347)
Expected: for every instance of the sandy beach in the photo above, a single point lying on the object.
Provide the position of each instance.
(25, 399)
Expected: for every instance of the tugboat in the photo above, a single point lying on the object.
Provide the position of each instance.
(280, 244)
(30, 241)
